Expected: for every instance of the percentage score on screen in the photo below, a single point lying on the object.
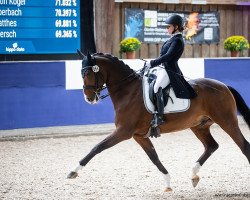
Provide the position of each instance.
(65, 3)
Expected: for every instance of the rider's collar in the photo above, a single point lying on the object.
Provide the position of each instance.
(175, 34)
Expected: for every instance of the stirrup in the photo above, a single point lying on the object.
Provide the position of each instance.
(153, 132)
(157, 121)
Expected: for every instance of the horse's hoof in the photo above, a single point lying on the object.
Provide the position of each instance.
(72, 175)
(168, 189)
(195, 180)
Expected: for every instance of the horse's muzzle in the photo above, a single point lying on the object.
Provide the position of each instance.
(91, 100)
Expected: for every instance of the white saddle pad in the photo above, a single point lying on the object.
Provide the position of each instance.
(178, 105)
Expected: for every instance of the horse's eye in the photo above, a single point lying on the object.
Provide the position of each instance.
(87, 73)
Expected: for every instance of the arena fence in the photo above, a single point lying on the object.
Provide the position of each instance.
(42, 94)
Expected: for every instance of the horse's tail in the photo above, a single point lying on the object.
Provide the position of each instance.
(241, 105)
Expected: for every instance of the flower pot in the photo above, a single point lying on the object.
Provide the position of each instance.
(130, 55)
(235, 53)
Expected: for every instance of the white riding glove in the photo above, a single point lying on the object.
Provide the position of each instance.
(147, 64)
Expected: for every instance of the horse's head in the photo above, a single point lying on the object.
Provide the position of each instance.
(93, 79)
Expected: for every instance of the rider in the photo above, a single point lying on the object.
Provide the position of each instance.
(170, 53)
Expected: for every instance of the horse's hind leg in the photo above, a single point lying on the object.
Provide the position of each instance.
(148, 147)
(210, 145)
(227, 119)
(231, 127)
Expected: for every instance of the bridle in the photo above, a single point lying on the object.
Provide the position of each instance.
(97, 88)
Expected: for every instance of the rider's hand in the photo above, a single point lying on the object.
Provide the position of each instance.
(147, 64)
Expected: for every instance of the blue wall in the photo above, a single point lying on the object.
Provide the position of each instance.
(33, 94)
(232, 72)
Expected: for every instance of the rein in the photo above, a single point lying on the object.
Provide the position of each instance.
(97, 88)
(117, 84)
(121, 82)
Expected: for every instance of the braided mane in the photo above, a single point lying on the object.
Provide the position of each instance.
(124, 66)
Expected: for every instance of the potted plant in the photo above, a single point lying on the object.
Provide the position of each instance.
(236, 44)
(129, 46)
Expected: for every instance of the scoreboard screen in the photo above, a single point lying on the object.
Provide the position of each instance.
(39, 26)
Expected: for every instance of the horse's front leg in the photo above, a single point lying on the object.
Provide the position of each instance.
(148, 147)
(117, 136)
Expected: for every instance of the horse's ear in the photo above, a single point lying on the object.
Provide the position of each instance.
(89, 56)
(80, 54)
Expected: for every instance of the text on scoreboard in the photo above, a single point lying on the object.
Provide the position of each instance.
(39, 26)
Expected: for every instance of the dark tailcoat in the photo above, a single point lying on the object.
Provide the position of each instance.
(171, 51)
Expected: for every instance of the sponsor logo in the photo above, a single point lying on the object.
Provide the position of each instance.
(15, 48)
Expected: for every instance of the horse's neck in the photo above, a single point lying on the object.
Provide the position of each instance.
(124, 91)
(121, 81)
(118, 76)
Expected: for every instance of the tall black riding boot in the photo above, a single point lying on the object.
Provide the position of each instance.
(158, 116)
(154, 130)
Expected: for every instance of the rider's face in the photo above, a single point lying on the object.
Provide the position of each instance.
(170, 28)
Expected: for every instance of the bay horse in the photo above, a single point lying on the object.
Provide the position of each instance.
(215, 103)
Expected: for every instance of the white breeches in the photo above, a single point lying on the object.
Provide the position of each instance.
(162, 78)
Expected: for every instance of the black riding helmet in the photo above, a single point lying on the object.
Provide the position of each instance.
(175, 20)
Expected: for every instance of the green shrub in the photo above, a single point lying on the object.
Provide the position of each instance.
(236, 43)
(129, 44)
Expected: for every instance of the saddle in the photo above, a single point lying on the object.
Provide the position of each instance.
(172, 104)
(166, 90)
